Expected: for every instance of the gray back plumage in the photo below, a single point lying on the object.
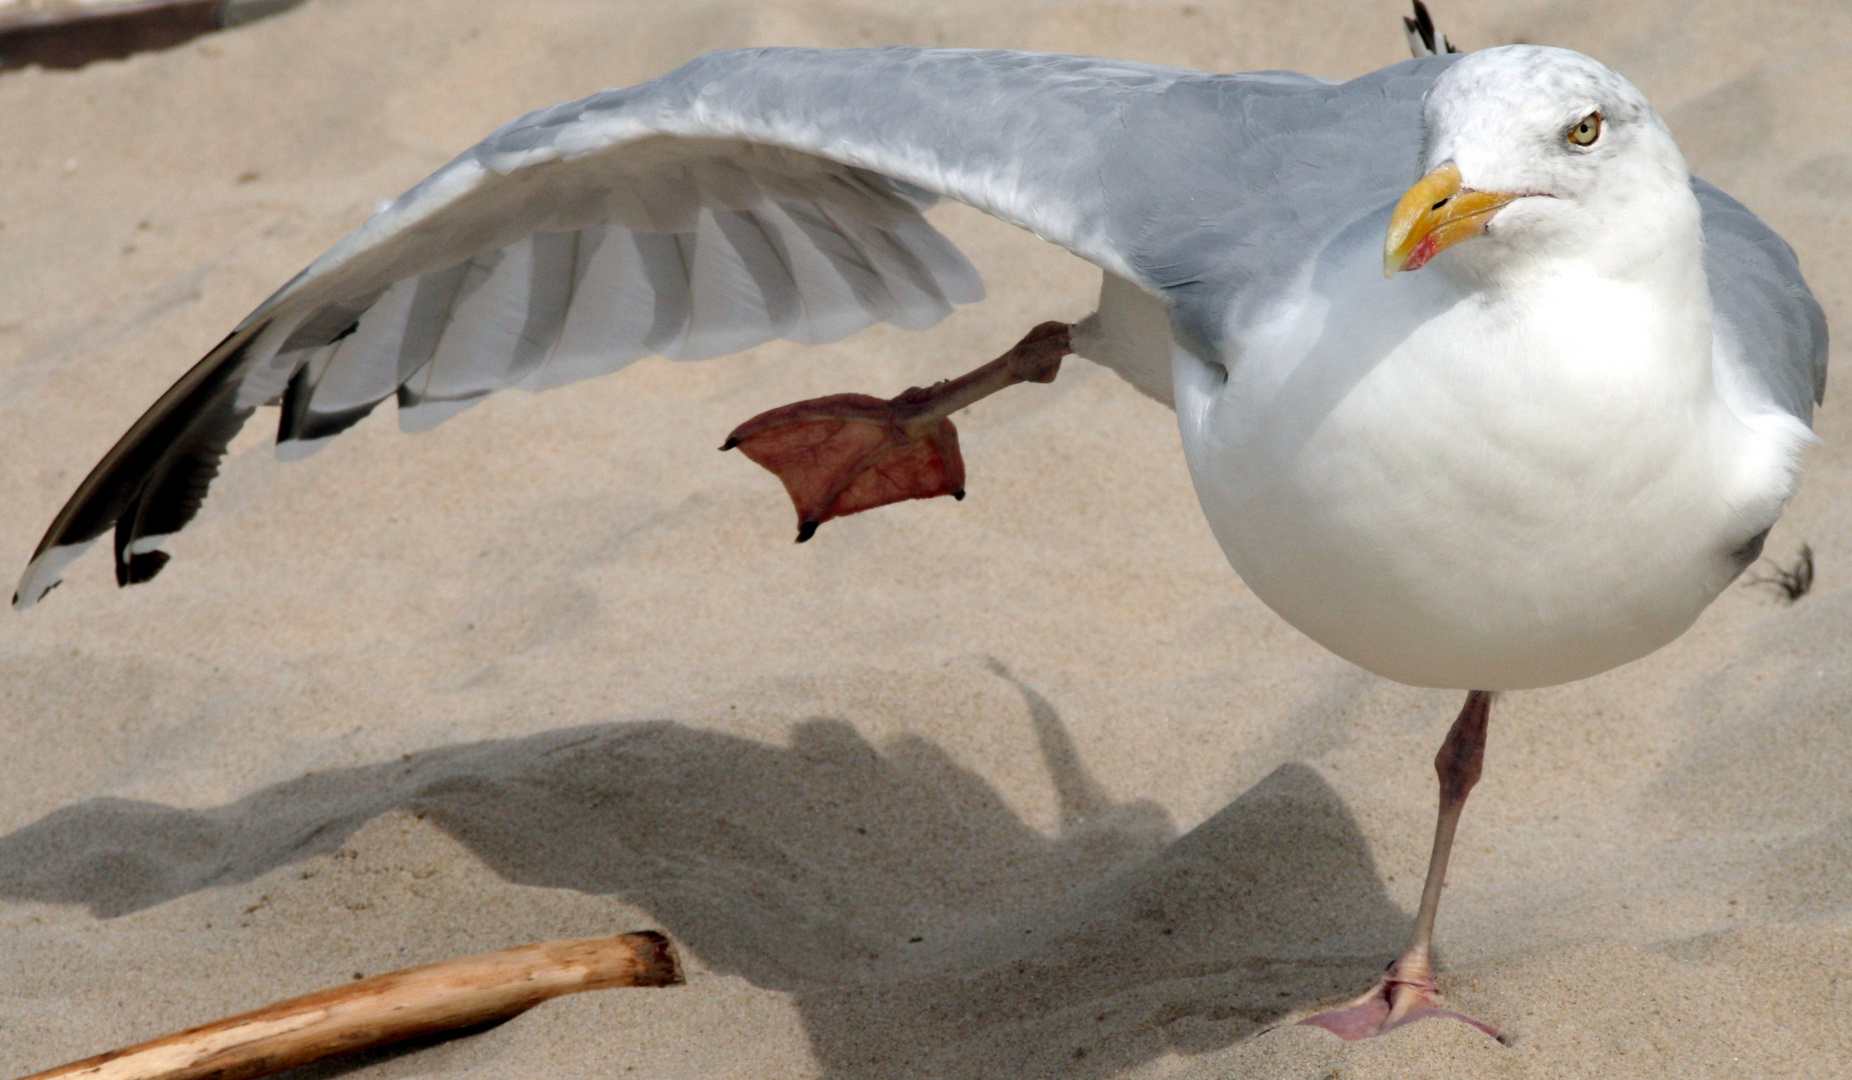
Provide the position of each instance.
(1762, 304)
(1222, 188)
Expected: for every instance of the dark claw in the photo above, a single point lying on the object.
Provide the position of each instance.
(729, 444)
(959, 494)
(806, 530)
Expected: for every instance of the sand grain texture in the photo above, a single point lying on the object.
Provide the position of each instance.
(1027, 785)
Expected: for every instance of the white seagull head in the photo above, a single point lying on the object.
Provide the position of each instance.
(1543, 154)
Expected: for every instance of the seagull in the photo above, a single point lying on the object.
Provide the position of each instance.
(1477, 385)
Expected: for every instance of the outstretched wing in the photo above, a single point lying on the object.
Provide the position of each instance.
(744, 197)
(755, 195)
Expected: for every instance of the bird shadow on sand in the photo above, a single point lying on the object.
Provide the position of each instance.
(921, 926)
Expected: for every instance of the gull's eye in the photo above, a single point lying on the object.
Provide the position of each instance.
(1587, 130)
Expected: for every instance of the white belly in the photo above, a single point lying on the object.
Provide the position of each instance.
(1454, 500)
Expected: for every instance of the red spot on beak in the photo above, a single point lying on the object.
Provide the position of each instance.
(1425, 250)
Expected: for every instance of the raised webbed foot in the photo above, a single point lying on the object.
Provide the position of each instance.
(846, 453)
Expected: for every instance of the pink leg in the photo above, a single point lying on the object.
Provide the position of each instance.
(1408, 992)
(846, 453)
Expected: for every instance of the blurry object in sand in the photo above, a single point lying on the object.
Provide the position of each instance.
(70, 36)
(452, 996)
(1792, 584)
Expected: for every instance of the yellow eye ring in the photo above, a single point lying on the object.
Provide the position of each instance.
(1586, 130)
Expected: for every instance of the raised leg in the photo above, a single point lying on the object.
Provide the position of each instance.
(846, 453)
(1408, 992)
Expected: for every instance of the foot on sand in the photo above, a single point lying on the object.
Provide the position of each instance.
(846, 453)
(1407, 992)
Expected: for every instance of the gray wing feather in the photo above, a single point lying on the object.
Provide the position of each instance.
(1767, 319)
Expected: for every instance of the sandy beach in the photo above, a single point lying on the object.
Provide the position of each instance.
(1026, 785)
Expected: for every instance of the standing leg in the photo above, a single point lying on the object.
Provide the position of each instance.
(1408, 991)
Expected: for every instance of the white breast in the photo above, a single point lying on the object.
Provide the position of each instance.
(1484, 491)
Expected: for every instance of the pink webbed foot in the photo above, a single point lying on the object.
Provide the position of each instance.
(1400, 997)
(846, 453)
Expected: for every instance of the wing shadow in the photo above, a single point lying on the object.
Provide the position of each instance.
(922, 927)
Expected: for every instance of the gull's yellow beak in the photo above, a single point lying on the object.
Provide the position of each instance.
(1433, 216)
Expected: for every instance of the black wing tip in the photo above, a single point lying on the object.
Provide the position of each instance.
(1421, 28)
(298, 423)
(806, 530)
(140, 567)
(152, 480)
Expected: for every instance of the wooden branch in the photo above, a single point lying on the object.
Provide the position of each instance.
(386, 1009)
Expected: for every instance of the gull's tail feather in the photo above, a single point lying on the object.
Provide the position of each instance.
(154, 479)
(1422, 38)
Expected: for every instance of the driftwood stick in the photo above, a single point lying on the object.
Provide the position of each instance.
(386, 1009)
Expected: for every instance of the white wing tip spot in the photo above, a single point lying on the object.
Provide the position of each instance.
(44, 573)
